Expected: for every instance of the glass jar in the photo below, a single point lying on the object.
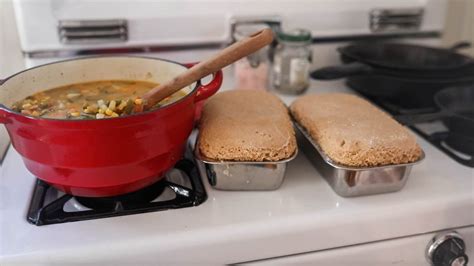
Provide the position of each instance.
(251, 72)
(291, 61)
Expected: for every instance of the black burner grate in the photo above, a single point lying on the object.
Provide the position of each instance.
(127, 201)
(43, 212)
(440, 141)
(444, 141)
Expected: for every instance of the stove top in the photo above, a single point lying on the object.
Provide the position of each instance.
(303, 215)
(181, 188)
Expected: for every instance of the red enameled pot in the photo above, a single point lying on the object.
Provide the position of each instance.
(98, 158)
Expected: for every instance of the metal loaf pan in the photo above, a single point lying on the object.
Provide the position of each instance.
(349, 181)
(236, 175)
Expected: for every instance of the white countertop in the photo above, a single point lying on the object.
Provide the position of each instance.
(303, 215)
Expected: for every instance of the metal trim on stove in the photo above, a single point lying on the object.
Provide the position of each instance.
(92, 31)
(59, 53)
(395, 19)
(123, 50)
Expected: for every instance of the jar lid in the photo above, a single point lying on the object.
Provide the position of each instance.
(295, 35)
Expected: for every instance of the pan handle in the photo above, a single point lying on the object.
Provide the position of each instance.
(460, 45)
(341, 71)
(409, 120)
(206, 91)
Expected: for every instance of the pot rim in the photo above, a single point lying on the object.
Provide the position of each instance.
(192, 92)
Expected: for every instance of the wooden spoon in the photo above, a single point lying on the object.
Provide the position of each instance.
(220, 60)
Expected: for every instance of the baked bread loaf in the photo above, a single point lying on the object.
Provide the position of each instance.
(246, 125)
(353, 132)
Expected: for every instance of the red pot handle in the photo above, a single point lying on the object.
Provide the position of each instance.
(206, 91)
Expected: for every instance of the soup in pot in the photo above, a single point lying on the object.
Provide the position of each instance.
(90, 100)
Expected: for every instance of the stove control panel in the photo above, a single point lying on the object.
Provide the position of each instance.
(447, 249)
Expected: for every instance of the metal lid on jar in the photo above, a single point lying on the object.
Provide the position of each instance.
(295, 35)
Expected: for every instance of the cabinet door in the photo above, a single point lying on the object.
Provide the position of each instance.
(406, 251)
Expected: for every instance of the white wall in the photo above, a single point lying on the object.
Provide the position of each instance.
(11, 59)
(460, 23)
(10, 54)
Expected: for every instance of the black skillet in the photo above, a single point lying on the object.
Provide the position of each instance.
(396, 59)
(407, 92)
(456, 110)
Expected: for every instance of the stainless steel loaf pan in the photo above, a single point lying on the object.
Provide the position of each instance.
(233, 175)
(349, 181)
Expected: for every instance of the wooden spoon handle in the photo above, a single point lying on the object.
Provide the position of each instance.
(220, 60)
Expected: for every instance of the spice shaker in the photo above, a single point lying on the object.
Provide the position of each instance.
(251, 72)
(291, 61)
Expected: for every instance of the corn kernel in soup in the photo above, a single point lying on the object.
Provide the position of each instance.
(90, 100)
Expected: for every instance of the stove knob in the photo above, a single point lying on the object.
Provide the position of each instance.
(447, 249)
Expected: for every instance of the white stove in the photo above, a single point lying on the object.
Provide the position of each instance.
(303, 221)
